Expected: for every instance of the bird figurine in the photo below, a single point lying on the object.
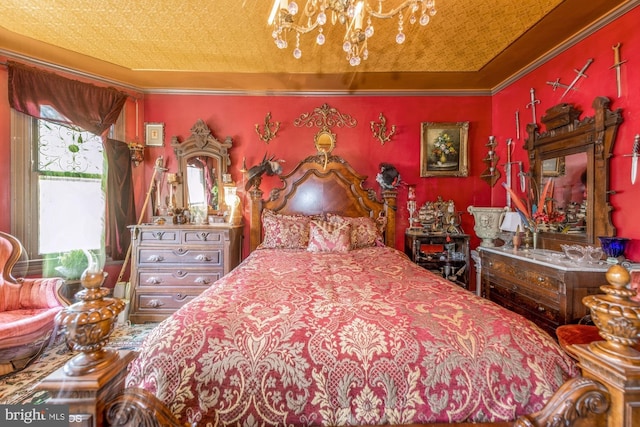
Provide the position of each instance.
(268, 165)
(388, 177)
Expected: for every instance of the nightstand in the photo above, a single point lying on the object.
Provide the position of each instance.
(444, 254)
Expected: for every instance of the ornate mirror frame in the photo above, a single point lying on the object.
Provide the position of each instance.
(564, 135)
(201, 143)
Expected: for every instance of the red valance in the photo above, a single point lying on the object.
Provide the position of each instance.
(90, 107)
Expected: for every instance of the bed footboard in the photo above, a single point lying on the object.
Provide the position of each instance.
(138, 407)
(580, 399)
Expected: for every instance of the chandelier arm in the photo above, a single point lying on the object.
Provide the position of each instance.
(298, 28)
(393, 12)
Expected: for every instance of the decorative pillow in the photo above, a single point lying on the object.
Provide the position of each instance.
(365, 231)
(284, 231)
(325, 236)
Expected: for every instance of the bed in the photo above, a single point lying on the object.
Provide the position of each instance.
(337, 328)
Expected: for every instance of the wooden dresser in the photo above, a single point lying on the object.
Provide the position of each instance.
(539, 285)
(172, 264)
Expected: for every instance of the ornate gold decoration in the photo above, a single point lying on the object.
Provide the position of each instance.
(617, 317)
(137, 153)
(353, 14)
(270, 129)
(325, 117)
(88, 323)
(380, 130)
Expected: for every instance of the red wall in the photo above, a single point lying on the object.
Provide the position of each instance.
(601, 81)
(237, 116)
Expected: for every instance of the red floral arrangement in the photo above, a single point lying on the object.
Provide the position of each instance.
(533, 214)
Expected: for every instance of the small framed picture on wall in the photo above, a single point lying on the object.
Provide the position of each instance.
(154, 134)
(443, 149)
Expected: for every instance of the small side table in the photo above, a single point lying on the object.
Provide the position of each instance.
(443, 253)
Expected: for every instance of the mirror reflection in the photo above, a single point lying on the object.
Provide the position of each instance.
(202, 184)
(566, 199)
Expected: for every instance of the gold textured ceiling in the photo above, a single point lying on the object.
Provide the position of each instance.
(227, 45)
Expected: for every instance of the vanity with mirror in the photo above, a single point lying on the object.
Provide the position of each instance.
(175, 259)
(573, 153)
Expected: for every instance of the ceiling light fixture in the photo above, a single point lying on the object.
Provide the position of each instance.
(350, 13)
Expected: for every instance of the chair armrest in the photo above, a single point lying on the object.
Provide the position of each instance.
(41, 293)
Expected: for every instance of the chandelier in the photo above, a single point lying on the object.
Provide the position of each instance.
(350, 13)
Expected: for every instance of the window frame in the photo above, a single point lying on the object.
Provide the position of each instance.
(24, 183)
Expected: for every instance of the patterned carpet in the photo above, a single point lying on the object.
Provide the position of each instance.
(19, 387)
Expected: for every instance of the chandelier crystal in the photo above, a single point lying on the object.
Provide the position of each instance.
(350, 13)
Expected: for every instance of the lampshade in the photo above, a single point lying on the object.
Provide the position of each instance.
(511, 222)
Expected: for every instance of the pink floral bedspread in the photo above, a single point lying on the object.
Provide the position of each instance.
(292, 337)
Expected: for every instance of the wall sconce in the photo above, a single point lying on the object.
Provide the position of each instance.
(379, 130)
(137, 153)
(270, 129)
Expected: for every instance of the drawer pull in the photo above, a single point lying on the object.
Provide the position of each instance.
(154, 303)
(541, 308)
(158, 235)
(540, 279)
(203, 257)
(156, 258)
(203, 280)
(154, 281)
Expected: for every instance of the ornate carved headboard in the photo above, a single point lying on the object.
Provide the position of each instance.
(320, 185)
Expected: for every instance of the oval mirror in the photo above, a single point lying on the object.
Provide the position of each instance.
(325, 142)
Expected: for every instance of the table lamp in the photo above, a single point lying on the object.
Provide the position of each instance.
(512, 223)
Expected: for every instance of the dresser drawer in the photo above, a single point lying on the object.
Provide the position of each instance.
(534, 280)
(543, 313)
(203, 237)
(162, 303)
(196, 279)
(158, 236)
(206, 258)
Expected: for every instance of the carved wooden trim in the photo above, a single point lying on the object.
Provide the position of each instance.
(577, 398)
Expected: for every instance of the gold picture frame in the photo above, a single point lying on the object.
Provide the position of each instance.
(154, 134)
(553, 167)
(444, 149)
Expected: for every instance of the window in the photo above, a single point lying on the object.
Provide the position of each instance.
(58, 187)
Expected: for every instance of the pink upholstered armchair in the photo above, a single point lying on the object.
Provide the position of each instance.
(27, 310)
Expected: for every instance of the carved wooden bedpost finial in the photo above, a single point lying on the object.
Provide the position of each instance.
(88, 323)
(617, 317)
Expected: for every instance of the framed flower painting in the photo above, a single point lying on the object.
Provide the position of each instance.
(444, 149)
